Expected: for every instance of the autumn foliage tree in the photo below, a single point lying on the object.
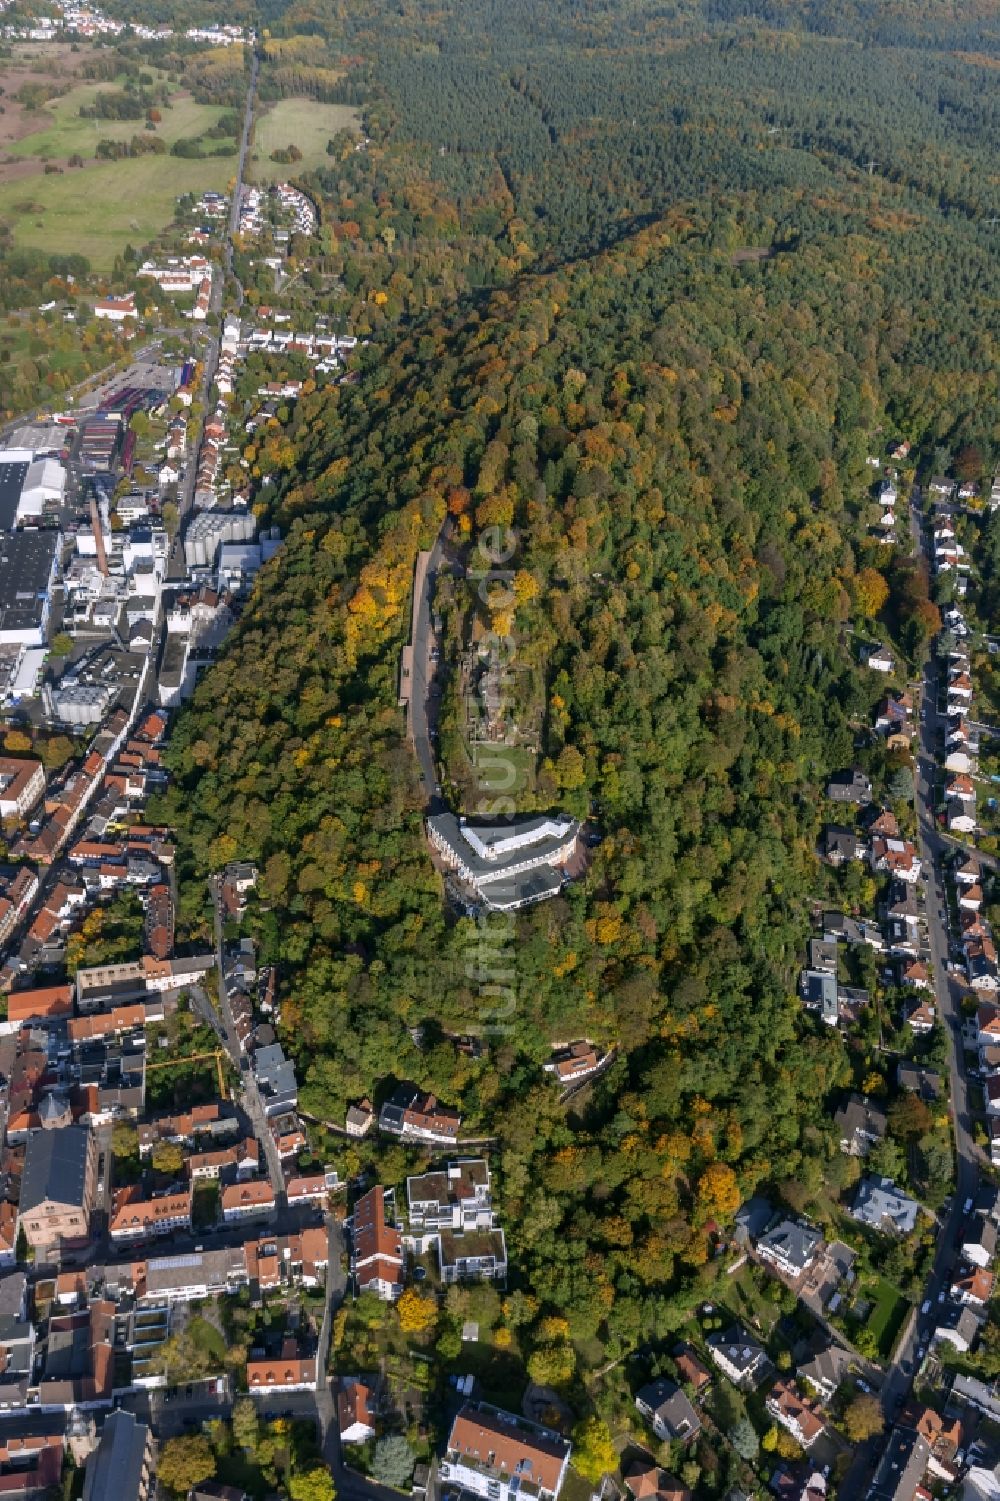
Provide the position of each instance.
(719, 1195)
(184, 1462)
(417, 1314)
(594, 1453)
(871, 592)
(863, 1418)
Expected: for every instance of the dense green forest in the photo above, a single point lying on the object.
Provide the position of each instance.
(656, 343)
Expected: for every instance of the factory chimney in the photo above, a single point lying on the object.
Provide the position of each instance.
(95, 522)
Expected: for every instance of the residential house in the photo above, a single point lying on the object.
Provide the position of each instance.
(456, 1198)
(21, 785)
(920, 1018)
(879, 1204)
(790, 1247)
(968, 870)
(857, 933)
(894, 720)
(946, 1438)
(241, 1160)
(355, 1411)
(897, 857)
(646, 1481)
(752, 1219)
(969, 1391)
(30, 1465)
(668, 1412)
(571, 1064)
(879, 658)
(377, 1259)
(823, 955)
(247, 1200)
(795, 1413)
(902, 1466)
(849, 787)
(915, 975)
(881, 823)
(494, 1454)
(960, 756)
(987, 1202)
(418, 1117)
(818, 989)
(973, 1288)
(690, 1369)
(956, 1324)
(961, 817)
(979, 1241)
(739, 1357)
(840, 845)
(987, 1026)
(290, 1371)
(134, 1218)
(981, 968)
(861, 1123)
(359, 1119)
(314, 1188)
(827, 1370)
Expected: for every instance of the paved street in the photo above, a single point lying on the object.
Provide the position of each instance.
(948, 995)
(185, 495)
(422, 711)
(249, 1093)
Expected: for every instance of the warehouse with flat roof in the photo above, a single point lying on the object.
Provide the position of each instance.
(14, 464)
(27, 573)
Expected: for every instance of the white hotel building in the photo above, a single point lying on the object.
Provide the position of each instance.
(509, 865)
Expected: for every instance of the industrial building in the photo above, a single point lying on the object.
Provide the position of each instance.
(28, 483)
(27, 573)
(208, 530)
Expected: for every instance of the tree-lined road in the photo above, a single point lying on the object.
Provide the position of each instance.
(422, 675)
(948, 997)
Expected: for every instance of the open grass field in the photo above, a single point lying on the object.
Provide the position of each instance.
(32, 63)
(304, 123)
(888, 1312)
(96, 210)
(59, 130)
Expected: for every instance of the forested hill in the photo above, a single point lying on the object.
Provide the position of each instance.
(679, 439)
(588, 118)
